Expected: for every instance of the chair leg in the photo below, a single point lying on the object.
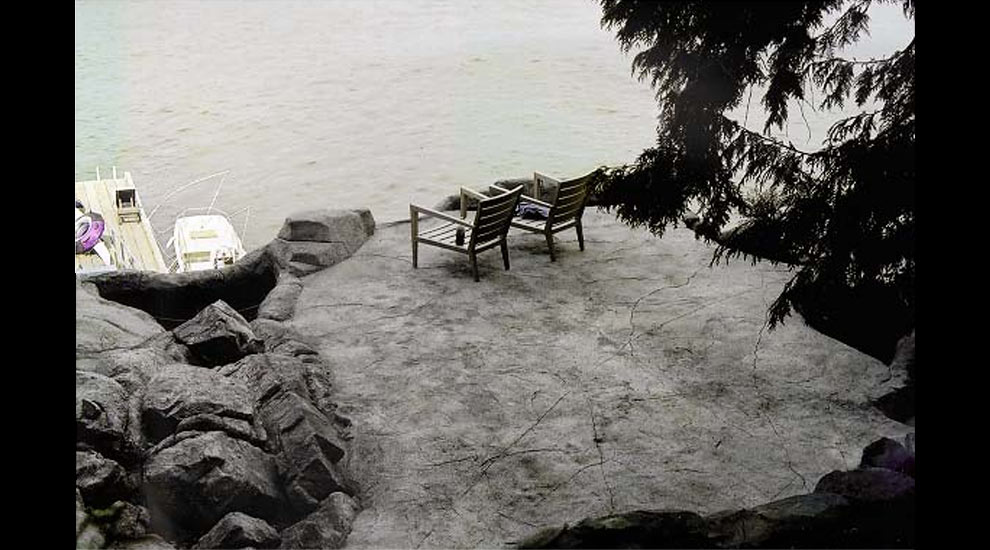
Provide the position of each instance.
(505, 254)
(550, 246)
(580, 232)
(415, 252)
(414, 229)
(474, 267)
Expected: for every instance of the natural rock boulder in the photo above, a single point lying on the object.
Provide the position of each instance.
(887, 453)
(867, 485)
(796, 522)
(131, 368)
(304, 257)
(898, 405)
(327, 527)
(317, 239)
(180, 392)
(98, 479)
(197, 481)
(130, 521)
(237, 530)
(351, 227)
(280, 304)
(639, 529)
(218, 335)
(281, 339)
(102, 415)
(147, 542)
(267, 374)
(103, 325)
(310, 449)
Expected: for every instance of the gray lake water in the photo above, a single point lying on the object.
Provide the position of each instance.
(348, 103)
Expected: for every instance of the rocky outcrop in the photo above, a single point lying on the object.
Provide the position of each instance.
(280, 303)
(195, 482)
(220, 432)
(269, 374)
(103, 419)
(867, 484)
(173, 298)
(310, 450)
(99, 480)
(638, 529)
(899, 403)
(119, 524)
(890, 454)
(283, 340)
(237, 530)
(798, 521)
(872, 506)
(103, 325)
(190, 396)
(327, 527)
(218, 335)
(317, 239)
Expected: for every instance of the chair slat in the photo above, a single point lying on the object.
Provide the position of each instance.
(490, 234)
(499, 200)
(495, 213)
(569, 204)
(568, 194)
(491, 223)
(533, 225)
(436, 232)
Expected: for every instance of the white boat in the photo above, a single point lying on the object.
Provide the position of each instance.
(113, 232)
(205, 241)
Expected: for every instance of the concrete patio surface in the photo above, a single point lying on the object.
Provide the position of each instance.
(628, 376)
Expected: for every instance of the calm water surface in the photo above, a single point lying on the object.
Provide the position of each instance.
(343, 103)
(350, 103)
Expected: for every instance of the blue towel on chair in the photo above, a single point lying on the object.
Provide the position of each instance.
(531, 211)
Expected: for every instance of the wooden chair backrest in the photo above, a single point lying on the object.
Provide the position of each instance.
(570, 200)
(493, 217)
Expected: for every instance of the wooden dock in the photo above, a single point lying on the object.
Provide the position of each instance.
(128, 234)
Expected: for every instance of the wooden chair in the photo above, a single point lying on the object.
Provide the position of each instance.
(489, 228)
(564, 213)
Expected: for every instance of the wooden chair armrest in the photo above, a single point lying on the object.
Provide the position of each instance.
(469, 193)
(473, 194)
(503, 190)
(415, 209)
(534, 201)
(498, 188)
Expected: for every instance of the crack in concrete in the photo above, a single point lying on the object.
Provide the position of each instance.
(659, 326)
(632, 310)
(342, 304)
(524, 522)
(759, 339)
(601, 457)
(787, 455)
(504, 450)
(613, 279)
(556, 486)
(472, 457)
(766, 322)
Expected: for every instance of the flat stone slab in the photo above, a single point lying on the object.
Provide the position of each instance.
(629, 376)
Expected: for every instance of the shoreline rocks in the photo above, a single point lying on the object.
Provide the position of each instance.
(871, 506)
(217, 431)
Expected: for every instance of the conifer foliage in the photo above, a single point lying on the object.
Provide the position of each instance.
(842, 215)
